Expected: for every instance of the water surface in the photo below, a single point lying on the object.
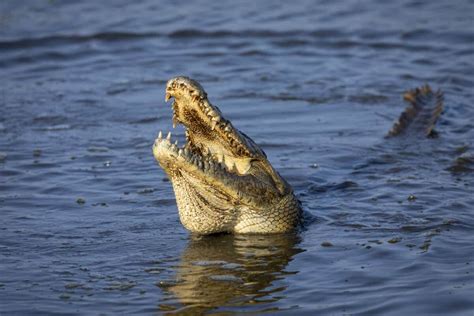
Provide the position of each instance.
(89, 223)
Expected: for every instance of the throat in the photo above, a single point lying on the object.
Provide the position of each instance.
(202, 207)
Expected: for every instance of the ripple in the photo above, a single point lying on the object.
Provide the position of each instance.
(66, 39)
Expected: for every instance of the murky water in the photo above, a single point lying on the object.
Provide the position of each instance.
(89, 223)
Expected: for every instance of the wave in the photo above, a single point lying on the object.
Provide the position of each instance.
(65, 39)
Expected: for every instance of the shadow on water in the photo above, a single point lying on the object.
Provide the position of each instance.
(226, 271)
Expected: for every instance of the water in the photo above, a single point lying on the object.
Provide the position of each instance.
(89, 223)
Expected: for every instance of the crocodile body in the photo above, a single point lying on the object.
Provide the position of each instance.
(223, 182)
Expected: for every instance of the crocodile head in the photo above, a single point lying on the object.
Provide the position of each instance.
(222, 180)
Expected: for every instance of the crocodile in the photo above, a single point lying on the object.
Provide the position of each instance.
(223, 181)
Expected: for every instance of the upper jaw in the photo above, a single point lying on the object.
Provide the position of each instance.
(205, 124)
(210, 138)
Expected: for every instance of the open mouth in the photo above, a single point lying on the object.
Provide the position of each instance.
(212, 144)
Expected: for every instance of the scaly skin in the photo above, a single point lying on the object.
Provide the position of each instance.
(420, 116)
(222, 180)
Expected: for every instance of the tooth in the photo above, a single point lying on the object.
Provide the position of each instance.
(160, 135)
(216, 118)
(176, 143)
(213, 125)
(186, 151)
(180, 152)
(168, 137)
(227, 128)
(175, 120)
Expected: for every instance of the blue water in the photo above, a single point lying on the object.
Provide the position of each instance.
(88, 221)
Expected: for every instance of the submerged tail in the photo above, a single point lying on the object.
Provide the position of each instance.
(420, 116)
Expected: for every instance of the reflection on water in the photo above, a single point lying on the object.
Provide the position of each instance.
(225, 271)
